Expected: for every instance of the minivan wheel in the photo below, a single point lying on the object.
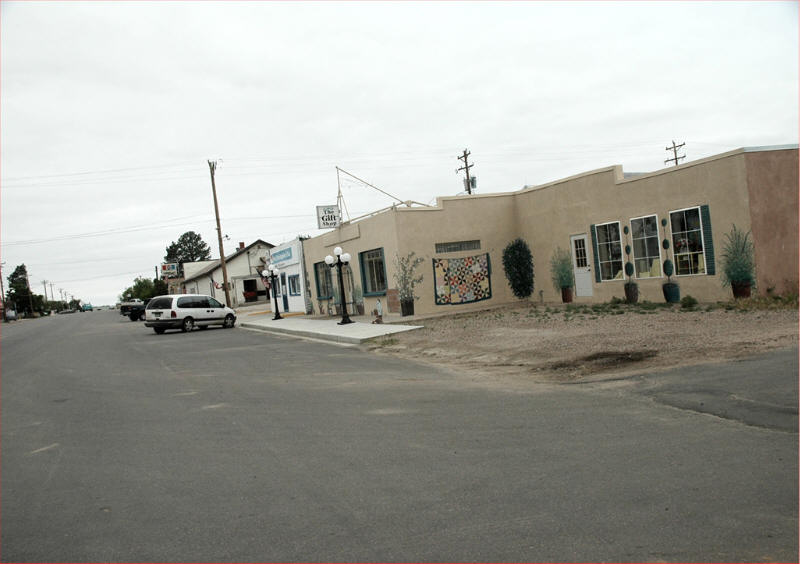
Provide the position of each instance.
(134, 317)
(229, 321)
(188, 324)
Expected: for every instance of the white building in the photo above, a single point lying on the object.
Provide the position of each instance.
(243, 266)
(293, 292)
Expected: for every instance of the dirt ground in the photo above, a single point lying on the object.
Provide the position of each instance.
(559, 343)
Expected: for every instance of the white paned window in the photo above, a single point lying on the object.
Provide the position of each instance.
(609, 250)
(687, 242)
(646, 251)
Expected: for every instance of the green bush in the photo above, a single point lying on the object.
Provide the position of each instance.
(518, 266)
(561, 269)
(738, 259)
(688, 302)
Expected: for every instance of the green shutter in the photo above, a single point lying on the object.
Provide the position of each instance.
(708, 242)
(596, 254)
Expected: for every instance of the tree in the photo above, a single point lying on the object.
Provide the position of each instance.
(160, 287)
(518, 266)
(18, 292)
(144, 289)
(189, 247)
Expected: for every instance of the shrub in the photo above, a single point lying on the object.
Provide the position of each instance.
(688, 302)
(518, 266)
(561, 269)
(738, 260)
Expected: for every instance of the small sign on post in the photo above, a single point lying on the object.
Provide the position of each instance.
(169, 270)
(328, 217)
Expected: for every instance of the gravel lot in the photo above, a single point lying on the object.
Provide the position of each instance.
(559, 343)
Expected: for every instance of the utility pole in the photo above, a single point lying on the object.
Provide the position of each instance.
(212, 167)
(466, 168)
(674, 150)
(52, 293)
(44, 282)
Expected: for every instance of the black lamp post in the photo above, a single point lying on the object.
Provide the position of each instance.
(340, 260)
(272, 271)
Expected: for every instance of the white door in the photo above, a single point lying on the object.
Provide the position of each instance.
(581, 265)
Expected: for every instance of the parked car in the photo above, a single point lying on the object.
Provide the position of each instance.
(187, 311)
(86, 307)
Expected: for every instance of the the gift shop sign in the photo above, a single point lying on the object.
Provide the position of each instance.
(328, 217)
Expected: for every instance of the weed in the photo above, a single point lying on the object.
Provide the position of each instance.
(688, 302)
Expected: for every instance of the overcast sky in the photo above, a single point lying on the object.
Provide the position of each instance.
(110, 111)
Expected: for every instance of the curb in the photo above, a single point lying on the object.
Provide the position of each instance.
(310, 334)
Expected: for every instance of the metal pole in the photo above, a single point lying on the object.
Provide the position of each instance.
(345, 318)
(275, 296)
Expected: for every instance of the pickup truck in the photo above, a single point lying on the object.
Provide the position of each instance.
(133, 309)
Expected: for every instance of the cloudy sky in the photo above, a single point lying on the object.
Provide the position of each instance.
(110, 111)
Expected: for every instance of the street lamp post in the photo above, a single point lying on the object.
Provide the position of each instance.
(272, 272)
(341, 260)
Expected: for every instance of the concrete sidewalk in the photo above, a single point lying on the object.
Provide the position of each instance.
(323, 328)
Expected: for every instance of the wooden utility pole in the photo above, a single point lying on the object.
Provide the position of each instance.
(45, 291)
(466, 168)
(674, 150)
(212, 166)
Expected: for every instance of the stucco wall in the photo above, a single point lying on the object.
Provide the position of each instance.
(488, 218)
(772, 181)
(736, 187)
(367, 234)
(547, 216)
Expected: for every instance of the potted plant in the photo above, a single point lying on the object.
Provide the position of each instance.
(738, 263)
(562, 273)
(405, 280)
(672, 292)
(631, 287)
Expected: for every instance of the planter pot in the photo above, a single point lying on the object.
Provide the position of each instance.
(566, 295)
(407, 307)
(740, 289)
(672, 292)
(631, 293)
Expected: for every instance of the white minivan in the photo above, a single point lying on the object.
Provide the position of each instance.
(187, 311)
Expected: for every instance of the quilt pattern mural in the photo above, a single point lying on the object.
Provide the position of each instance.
(462, 280)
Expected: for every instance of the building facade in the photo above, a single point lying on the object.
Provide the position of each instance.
(604, 218)
(244, 275)
(292, 288)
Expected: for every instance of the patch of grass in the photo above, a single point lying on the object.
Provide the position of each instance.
(688, 302)
(388, 341)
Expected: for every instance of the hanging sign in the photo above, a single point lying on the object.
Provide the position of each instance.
(328, 217)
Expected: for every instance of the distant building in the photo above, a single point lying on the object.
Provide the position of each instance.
(243, 266)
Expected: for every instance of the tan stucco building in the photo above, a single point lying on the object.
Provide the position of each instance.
(597, 216)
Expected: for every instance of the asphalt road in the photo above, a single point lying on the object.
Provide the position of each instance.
(233, 445)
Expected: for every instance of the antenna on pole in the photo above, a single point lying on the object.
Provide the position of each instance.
(674, 150)
(340, 198)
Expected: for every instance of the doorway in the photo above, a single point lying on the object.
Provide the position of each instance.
(581, 266)
(284, 292)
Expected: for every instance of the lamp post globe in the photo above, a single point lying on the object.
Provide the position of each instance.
(271, 272)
